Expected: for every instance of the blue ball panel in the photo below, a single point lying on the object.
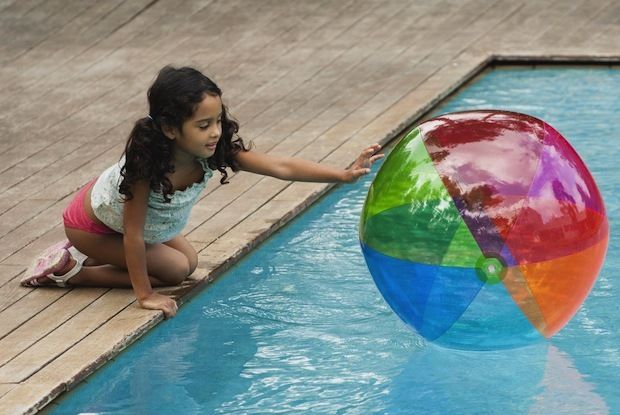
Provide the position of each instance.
(430, 298)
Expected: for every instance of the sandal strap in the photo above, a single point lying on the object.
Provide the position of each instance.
(77, 255)
(61, 280)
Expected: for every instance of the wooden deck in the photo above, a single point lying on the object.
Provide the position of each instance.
(315, 79)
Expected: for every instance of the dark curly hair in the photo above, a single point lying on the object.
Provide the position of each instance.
(173, 98)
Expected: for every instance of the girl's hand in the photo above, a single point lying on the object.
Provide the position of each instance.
(155, 301)
(363, 163)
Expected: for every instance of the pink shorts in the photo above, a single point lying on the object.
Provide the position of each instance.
(75, 215)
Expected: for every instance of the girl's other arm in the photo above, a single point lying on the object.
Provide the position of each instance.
(289, 168)
(134, 217)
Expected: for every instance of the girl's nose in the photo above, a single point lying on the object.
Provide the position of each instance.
(216, 132)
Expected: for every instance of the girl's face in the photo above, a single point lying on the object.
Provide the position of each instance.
(199, 134)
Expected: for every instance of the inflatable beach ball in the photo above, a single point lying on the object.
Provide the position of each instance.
(484, 230)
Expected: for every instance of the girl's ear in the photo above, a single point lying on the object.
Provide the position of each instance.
(169, 132)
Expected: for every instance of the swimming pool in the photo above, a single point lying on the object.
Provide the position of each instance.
(298, 325)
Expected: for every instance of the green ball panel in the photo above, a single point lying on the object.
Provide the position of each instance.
(426, 233)
(407, 175)
(410, 215)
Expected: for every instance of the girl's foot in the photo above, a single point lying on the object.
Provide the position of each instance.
(51, 260)
(62, 274)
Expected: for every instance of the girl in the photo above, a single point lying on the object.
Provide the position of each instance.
(124, 227)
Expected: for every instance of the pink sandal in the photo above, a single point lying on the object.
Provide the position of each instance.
(51, 260)
(61, 280)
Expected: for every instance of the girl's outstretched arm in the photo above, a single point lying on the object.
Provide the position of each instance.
(296, 169)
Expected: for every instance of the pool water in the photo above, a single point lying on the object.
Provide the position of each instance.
(299, 327)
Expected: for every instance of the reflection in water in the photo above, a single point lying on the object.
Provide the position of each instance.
(441, 381)
(195, 370)
(565, 390)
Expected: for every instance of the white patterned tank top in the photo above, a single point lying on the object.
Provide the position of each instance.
(163, 221)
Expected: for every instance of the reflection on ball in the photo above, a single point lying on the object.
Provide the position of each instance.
(484, 230)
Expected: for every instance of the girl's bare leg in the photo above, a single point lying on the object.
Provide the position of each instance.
(167, 264)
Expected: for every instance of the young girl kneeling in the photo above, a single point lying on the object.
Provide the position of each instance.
(124, 227)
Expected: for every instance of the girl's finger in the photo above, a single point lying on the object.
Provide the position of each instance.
(372, 149)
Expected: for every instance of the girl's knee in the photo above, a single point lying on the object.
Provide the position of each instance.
(172, 265)
(176, 274)
(193, 262)
(182, 246)
(183, 269)
(171, 270)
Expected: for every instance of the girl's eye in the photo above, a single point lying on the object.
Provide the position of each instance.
(203, 127)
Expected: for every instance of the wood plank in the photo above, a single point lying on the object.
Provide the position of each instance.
(27, 398)
(28, 306)
(70, 332)
(439, 85)
(95, 73)
(5, 5)
(6, 388)
(45, 322)
(98, 21)
(24, 255)
(124, 50)
(603, 31)
(579, 40)
(21, 212)
(287, 91)
(83, 32)
(89, 29)
(305, 122)
(525, 22)
(40, 22)
(68, 174)
(8, 272)
(568, 29)
(308, 50)
(10, 291)
(26, 233)
(392, 90)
